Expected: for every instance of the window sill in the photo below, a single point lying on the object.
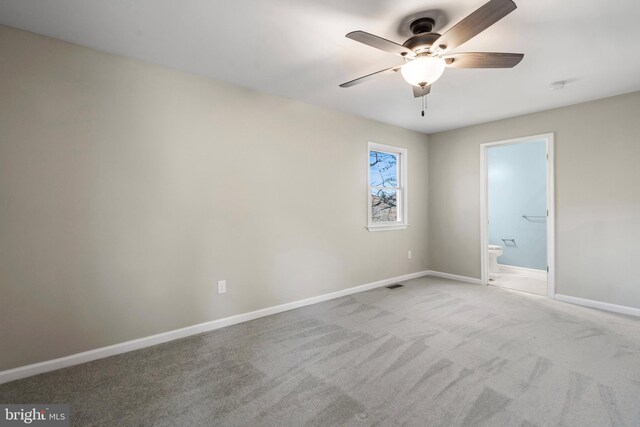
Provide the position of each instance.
(387, 227)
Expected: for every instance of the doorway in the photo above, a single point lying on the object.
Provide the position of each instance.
(517, 214)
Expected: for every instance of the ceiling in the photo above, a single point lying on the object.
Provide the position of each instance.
(297, 49)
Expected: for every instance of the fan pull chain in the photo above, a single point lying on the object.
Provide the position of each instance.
(424, 105)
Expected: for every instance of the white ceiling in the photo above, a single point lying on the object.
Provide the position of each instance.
(297, 49)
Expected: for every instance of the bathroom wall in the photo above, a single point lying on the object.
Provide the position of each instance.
(517, 176)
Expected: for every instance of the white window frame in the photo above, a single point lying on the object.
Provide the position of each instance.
(402, 189)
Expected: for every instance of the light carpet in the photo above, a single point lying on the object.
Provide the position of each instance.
(432, 353)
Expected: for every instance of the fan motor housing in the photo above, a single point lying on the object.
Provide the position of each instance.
(421, 42)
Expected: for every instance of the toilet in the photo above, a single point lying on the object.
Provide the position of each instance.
(494, 252)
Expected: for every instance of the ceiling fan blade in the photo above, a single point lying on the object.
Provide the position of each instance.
(370, 76)
(483, 60)
(475, 23)
(380, 43)
(418, 91)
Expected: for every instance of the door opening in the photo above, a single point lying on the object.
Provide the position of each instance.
(517, 214)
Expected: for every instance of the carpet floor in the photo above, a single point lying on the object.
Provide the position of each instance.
(432, 353)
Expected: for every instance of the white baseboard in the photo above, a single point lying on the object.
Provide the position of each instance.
(99, 353)
(526, 272)
(623, 309)
(465, 279)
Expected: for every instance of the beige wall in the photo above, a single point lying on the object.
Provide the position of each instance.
(128, 189)
(597, 149)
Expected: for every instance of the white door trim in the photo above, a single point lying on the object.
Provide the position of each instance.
(484, 215)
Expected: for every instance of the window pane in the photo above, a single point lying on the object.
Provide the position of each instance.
(384, 205)
(383, 169)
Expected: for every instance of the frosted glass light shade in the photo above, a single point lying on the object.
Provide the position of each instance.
(423, 70)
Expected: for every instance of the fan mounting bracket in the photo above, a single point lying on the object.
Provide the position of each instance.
(422, 25)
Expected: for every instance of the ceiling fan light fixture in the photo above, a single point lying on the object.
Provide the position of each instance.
(424, 70)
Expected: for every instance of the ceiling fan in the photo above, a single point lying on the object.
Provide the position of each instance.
(426, 54)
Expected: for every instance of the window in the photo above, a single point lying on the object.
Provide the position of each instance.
(387, 190)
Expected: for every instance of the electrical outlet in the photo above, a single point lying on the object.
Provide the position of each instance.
(409, 255)
(222, 286)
